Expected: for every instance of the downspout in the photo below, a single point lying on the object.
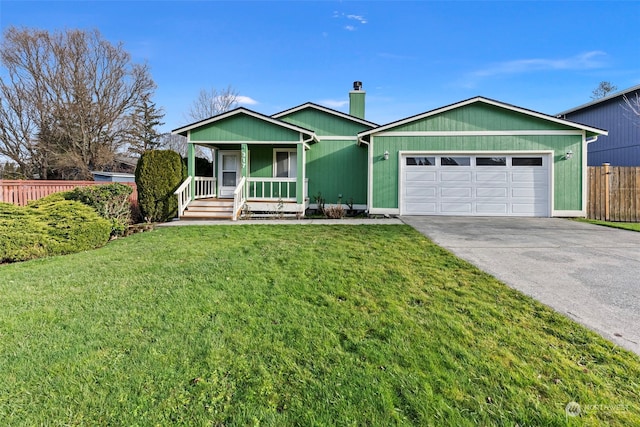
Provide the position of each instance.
(305, 141)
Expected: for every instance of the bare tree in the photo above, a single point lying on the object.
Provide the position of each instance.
(212, 102)
(604, 88)
(65, 100)
(632, 105)
(177, 143)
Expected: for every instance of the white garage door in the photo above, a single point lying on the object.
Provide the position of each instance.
(482, 185)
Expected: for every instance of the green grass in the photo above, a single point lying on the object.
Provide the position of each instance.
(293, 325)
(633, 226)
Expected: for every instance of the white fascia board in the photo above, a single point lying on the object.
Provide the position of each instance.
(544, 116)
(247, 142)
(247, 112)
(474, 152)
(325, 110)
(417, 117)
(601, 100)
(489, 102)
(484, 133)
(338, 138)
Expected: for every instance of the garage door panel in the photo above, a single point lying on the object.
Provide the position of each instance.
(421, 208)
(492, 177)
(421, 192)
(446, 176)
(492, 208)
(527, 208)
(455, 208)
(472, 189)
(528, 193)
(528, 176)
(455, 192)
(492, 192)
(420, 175)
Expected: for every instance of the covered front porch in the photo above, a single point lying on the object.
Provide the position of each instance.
(199, 197)
(258, 167)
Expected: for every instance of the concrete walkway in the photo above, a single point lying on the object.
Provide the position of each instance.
(587, 272)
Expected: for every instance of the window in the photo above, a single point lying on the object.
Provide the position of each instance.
(526, 161)
(421, 161)
(491, 161)
(285, 163)
(455, 161)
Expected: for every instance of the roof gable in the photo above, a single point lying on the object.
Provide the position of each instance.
(324, 121)
(242, 124)
(480, 114)
(600, 101)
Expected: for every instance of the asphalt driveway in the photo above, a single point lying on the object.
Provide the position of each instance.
(587, 272)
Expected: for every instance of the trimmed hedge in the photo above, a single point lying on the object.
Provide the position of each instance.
(158, 174)
(53, 226)
(111, 201)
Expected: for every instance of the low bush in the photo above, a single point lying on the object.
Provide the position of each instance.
(53, 226)
(334, 211)
(111, 201)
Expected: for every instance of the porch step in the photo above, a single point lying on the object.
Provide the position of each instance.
(212, 202)
(209, 209)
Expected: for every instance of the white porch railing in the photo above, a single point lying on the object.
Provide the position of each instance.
(205, 187)
(274, 189)
(239, 198)
(184, 195)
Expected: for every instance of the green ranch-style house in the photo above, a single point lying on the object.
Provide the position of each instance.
(476, 157)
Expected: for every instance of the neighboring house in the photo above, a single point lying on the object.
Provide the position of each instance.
(100, 176)
(622, 146)
(476, 157)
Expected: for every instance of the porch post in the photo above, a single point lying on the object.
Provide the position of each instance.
(301, 173)
(244, 157)
(191, 167)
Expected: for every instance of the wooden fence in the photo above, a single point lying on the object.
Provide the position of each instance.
(20, 192)
(613, 193)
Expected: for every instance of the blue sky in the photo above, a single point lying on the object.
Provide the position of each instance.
(411, 56)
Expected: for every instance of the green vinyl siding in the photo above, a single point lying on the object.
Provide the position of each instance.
(567, 173)
(323, 123)
(338, 167)
(479, 117)
(334, 167)
(262, 161)
(243, 128)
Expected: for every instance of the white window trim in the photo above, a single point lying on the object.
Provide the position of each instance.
(283, 150)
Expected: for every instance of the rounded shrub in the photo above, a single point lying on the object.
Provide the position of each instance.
(158, 174)
(111, 201)
(53, 227)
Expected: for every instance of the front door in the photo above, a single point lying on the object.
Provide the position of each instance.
(228, 173)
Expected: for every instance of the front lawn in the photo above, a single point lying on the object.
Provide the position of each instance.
(293, 325)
